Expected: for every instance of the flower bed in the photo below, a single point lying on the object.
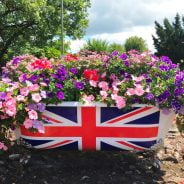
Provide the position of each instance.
(28, 84)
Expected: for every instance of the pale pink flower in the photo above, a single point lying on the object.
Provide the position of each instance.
(138, 79)
(88, 98)
(139, 91)
(1, 105)
(43, 84)
(103, 75)
(28, 123)
(103, 85)
(24, 91)
(34, 87)
(3, 146)
(29, 67)
(11, 102)
(120, 101)
(11, 111)
(130, 92)
(8, 96)
(36, 97)
(93, 83)
(43, 94)
(103, 94)
(20, 98)
(33, 114)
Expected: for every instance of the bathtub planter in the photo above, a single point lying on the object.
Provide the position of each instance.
(75, 126)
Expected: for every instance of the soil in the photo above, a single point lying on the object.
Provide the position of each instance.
(28, 166)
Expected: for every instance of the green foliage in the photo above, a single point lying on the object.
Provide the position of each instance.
(116, 47)
(169, 39)
(96, 45)
(135, 43)
(35, 23)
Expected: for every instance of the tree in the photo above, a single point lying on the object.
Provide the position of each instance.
(135, 43)
(170, 38)
(96, 45)
(36, 23)
(116, 47)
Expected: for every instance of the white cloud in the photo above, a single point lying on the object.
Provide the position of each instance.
(116, 20)
(76, 45)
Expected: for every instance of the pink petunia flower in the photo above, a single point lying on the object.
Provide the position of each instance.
(103, 94)
(20, 98)
(24, 91)
(120, 101)
(28, 123)
(130, 92)
(36, 97)
(33, 114)
(43, 94)
(88, 99)
(139, 91)
(103, 85)
(3, 146)
(34, 87)
(93, 83)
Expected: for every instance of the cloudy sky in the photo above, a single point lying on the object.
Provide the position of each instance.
(116, 20)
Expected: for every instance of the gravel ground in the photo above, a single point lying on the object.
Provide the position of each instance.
(26, 166)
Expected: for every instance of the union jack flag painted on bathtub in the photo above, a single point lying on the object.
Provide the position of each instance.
(96, 128)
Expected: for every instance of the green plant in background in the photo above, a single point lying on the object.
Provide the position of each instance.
(169, 39)
(96, 45)
(116, 47)
(135, 43)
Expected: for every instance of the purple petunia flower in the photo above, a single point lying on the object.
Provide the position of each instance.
(176, 105)
(46, 80)
(16, 60)
(73, 71)
(41, 107)
(50, 94)
(149, 96)
(166, 59)
(79, 85)
(179, 91)
(33, 78)
(163, 67)
(2, 95)
(148, 80)
(32, 107)
(123, 56)
(58, 85)
(126, 63)
(61, 71)
(60, 95)
(114, 53)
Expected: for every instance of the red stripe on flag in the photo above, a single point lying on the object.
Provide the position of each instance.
(129, 114)
(57, 144)
(130, 145)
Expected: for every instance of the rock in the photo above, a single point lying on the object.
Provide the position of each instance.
(2, 162)
(128, 172)
(14, 156)
(85, 177)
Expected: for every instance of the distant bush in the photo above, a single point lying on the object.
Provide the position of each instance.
(135, 43)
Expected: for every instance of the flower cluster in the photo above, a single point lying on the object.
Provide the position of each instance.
(28, 84)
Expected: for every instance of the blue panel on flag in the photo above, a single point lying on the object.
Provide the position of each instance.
(66, 112)
(107, 147)
(145, 144)
(36, 142)
(108, 113)
(149, 119)
(71, 146)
